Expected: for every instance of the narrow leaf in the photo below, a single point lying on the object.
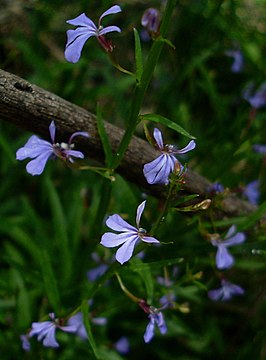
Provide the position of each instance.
(104, 137)
(169, 123)
(85, 313)
(138, 56)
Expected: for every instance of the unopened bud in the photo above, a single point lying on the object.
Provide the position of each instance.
(184, 308)
(151, 20)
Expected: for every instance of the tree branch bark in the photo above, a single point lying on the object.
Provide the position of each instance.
(33, 108)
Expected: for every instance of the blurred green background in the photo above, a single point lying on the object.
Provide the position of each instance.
(46, 222)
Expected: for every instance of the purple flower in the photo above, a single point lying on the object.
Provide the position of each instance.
(238, 60)
(224, 259)
(261, 149)
(151, 20)
(226, 291)
(25, 342)
(76, 321)
(41, 150)
(86, 29)
(216, 188)
(252, 193)
(156, 318)
(45, 331)
(256, 99)
(128, 236)
(122, 345)
(158, 170)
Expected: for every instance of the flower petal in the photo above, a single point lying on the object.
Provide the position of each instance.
(113, 10)
(238, 238)
(125, 252)
(52, 129)
(224, 259)
(74, 153)
(78, 133)
(115, 222)
(161, 323)
(49, 340)
(158, 138)
(158, 171)
(139, 212)
(112, 240)
(36, 166)
(190, 146)
(150, 239)
(82, 20)
(109, 29)
(73, 50)
(33, 148)
(149, 333)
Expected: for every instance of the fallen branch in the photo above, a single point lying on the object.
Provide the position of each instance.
(32, 108)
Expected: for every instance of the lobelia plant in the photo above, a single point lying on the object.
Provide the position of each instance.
(226, 291)
(163, 170)
(128, 236)
(41, 150)
(45, 331)
(85, 29)
(158, 170)
(224, 259)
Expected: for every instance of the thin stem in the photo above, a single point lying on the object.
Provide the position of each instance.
(141, 87)
(125, 290)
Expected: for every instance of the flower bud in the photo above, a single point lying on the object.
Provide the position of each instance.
(151, 20)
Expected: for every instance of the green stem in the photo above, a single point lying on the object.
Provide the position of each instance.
(125, 290)
(102, 208)
(141, 87)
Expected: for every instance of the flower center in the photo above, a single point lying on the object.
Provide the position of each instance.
(142, 232)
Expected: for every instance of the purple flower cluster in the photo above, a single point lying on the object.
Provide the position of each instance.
(41, 150)
(85, 29)
(224, 259)
(158, 170)
(128, 236)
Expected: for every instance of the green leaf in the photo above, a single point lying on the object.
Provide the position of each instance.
(49, 279)
(169, 123)
(60, 229)
(254, 217)
(85, 313)
(145, 274)
(138, 56)
(166, 41)
(104, 138)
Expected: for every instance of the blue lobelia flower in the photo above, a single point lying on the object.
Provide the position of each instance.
(25, 342)
(86, 29)
(151, 20)
(252, 192)
(158, 170)
(122, 345)
(41, 150)
(238, 60)
(224, 259)
(45, 331)
(226, 292)
(128, 236)
(257, 99)
(156, 318)
(261, 149)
